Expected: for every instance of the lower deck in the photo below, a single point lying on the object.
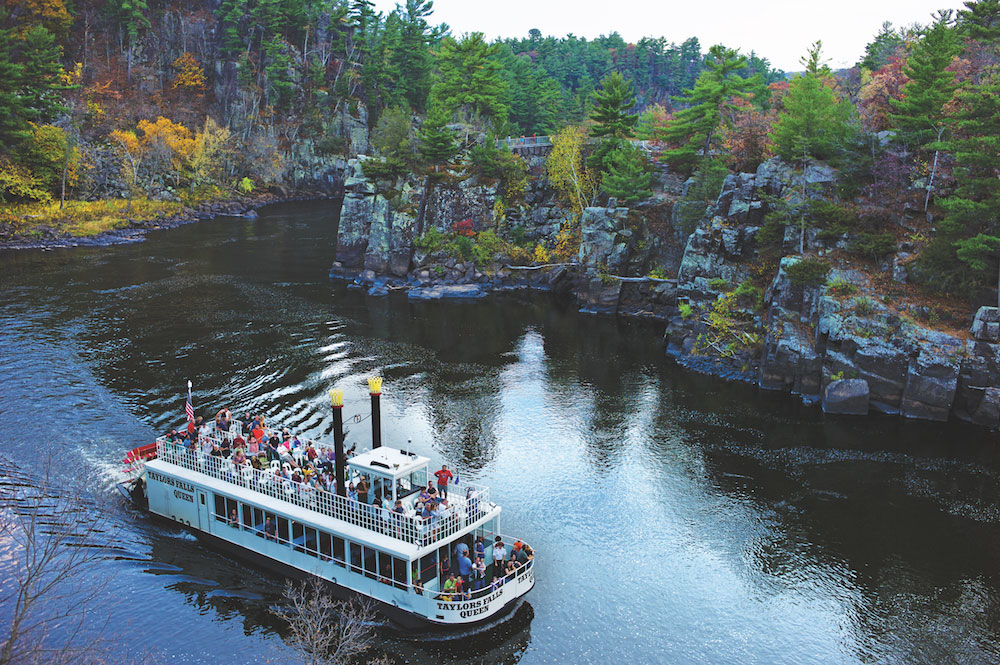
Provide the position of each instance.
(410, 579)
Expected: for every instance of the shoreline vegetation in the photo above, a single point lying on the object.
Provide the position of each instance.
(38, 225)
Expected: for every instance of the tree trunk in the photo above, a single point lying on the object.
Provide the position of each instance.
(62, 192)
(930, 183)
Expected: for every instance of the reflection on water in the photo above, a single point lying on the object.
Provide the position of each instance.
(678, 519)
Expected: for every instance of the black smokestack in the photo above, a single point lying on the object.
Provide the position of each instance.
(375, 389)
(337, 402)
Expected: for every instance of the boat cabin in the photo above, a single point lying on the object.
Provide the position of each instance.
(391, 474)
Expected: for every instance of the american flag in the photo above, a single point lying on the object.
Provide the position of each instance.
(188, 409)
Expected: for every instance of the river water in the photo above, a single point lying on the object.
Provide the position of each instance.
(677, 519)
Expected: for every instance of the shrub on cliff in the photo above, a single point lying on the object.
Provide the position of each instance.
(874, 246)
(808, 272)
(499, 163)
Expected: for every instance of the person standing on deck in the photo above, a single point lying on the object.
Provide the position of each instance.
(444, 477)
(465, 567)
(363, 489)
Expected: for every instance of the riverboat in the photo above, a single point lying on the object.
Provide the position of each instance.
(396, 559)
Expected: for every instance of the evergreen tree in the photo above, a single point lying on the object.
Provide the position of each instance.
(921, 110)
(980, 20)
(628, 174)
(920, 113)
(611, 113)
(880, 50)
(410, 55)
(815, 123)
(13, 114)
(697, 126)
(437, 144)
(470, 79)
(611, 109)
(970, 231)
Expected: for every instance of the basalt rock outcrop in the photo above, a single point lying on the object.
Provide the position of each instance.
(849, 351)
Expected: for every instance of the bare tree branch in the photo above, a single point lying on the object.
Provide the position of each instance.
(55, 536)
(323, 630)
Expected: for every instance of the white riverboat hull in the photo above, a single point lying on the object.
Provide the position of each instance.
(185, 498)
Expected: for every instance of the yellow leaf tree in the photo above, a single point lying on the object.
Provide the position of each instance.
(211, 146)
(567, 171)
(190, 75)
(131, 152)
(169, 145)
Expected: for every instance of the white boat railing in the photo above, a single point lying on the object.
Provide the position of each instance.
(470, 502)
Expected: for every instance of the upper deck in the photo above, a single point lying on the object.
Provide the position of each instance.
(467, 503)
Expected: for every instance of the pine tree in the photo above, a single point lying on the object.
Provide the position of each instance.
(13, 114)
(697, 126)
(611, 113)
(41, 75)
(920, 113)
(412, 57)
(921, 110)
(980, 20)
(970, 230)
(437, 144)
(611, 109)
(814, 123)
(470, 79)
(628, 176)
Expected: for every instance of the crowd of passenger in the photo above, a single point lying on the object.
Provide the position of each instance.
(307, 466)
(475, 576)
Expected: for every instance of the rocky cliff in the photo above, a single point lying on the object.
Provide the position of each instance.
(729, 307)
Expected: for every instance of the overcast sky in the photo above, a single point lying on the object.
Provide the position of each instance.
(779, 30)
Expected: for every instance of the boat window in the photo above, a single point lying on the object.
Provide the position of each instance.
(224, 507)
(356, 558)
(247, 513)
(258, 521)
(220, 508)
(298, 537)
(384, 568)
(370, 563)
(428, 567)
(325, 551)
(338, 550)
(312, 547)
(418, 478)
(283, 535)
(399, 572)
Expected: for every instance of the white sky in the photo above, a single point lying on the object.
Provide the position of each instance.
(779, 30)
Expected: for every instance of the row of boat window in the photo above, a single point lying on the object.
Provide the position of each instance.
(306, 539)
(371, 562)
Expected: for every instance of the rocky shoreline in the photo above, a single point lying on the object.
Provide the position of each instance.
(135, 230)
(841, 342)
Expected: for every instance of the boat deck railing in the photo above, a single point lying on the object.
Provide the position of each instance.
(466, 502)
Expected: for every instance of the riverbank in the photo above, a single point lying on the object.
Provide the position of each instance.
(102, 223)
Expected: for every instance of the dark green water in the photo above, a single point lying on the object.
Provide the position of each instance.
(677, 519)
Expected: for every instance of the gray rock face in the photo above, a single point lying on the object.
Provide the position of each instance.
(846, 396)
(604, 237)
(930, 387)
(986, 324)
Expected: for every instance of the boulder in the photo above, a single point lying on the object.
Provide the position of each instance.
(986, 324)
(456, 291)
(931, 382)
(846, 396)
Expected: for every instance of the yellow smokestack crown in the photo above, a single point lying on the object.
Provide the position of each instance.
(336, 398)
(375, 385)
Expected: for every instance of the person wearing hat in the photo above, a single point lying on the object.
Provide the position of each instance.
(499, 554)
